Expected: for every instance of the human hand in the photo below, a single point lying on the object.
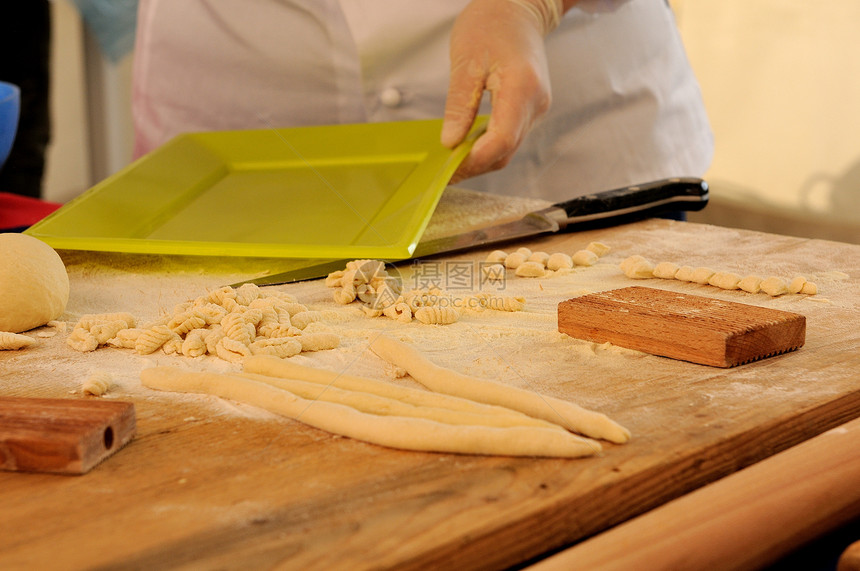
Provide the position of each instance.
(498, 46)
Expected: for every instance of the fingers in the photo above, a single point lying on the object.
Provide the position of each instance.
(495, 47)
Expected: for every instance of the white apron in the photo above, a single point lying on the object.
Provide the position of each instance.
(626, 107)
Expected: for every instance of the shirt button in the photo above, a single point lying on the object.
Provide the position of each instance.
(391, 97)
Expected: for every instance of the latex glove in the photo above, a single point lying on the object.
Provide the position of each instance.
(498, 46)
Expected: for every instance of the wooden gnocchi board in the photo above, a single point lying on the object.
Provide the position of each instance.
(688, 327)
(65, 436)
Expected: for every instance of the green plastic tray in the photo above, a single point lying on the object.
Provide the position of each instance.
(336, 191)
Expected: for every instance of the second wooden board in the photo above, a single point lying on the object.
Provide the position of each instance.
(682, 326)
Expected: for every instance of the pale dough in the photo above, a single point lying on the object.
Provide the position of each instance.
(381, 405)
(274, 367)
(558, 261)
(774, 286)
(531, 269)
(725, 280)
(584, 258)
(34, 285)
(637, 267)
(393, 431)
(14, 341)
(750, 284)
(665, 270)
(442, 380)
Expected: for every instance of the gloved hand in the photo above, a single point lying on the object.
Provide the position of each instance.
(498, 46)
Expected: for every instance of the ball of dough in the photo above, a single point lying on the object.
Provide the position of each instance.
(34, 285)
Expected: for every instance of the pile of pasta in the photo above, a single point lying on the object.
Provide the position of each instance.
(459, 414)
(230, 323)
(638, 267)
(368, 282)
(529, 264)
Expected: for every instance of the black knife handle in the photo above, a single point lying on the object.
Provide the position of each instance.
(636, 202)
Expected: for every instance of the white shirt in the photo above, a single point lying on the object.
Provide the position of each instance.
(626, 107)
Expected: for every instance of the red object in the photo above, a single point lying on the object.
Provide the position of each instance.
(18, 212)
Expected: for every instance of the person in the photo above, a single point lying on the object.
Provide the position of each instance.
(582, 96)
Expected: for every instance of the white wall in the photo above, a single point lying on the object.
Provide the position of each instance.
(781, 81)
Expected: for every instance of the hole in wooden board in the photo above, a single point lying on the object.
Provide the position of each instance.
(108, 437)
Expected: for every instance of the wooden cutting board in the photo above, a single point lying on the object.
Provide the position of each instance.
(682, 326)
(66, 436)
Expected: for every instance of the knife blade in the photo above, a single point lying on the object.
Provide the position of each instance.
(608, 208)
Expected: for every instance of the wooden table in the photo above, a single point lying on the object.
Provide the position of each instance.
(210, 484)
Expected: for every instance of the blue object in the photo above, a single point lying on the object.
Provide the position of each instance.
(10, 108)
(113, 23)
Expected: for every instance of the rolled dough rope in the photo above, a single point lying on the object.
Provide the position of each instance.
(384, 406)
(393, 431)
(442, 380)
(275, 367)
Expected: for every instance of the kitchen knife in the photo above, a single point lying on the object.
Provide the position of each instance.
(608, 208)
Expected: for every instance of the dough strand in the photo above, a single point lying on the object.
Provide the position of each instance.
(442, 380)
(393, 431)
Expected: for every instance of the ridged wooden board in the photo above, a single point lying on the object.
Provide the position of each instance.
(688, 327)
(65, 436)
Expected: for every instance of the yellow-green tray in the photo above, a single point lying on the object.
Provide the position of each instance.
(335, 191)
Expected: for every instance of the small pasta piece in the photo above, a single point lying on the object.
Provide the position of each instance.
(702, 275)
(303, 319)
(539, 257)
(194, 344)
(559, 261)
(222, 295)
(685, 274)
(666, 270)
(531, 270)
(211, 312)
(151, 340)
(437, 315)
(513, 261)
(796, 285)
(599, 248)
(235, 327)
(246, 293)
(13, 341)
(82, 340)
(334, 279)
(399, 311)
(494, 272)
(637, 267)
(750, 284)
(809, 288)
(725, 280)
(496, 257)
(318, 341)
(774, 286)
(232, 350)
(584, 258)
(184, 322)
(104, 332)
(282, 347)
(97, 384)
(525, 252)
(125, 338)
(344, 295)
(630, 261)
(212, 338)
